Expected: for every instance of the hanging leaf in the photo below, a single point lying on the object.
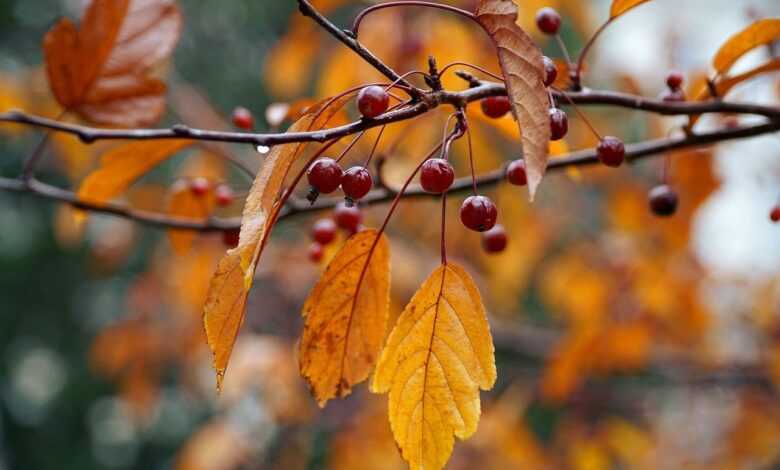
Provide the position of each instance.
(438, 357)
(621, 6)
(523, 71)
(226, 302)
(759, 33)
(346, 316)
(101, 70)
(184, 203)
(122, 166)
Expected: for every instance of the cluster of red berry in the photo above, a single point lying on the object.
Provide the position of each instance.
(347, 218)
(223, 197)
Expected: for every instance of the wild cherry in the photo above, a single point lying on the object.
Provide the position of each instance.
(347, 217)
(478, 213)
(356, 182)
(559, 124)
(224, 195)
(674, 80)
(324, 231)
(611, 151)
(200, 186)
(515, 173)
(325, 175)
(231, 237)
(663, 201)
(774, 215)
(496, 106)
(550, 71)
(495, 239)
(316, 252)
(548, 20)
(436, 175)
(243, 119)
(372, 101)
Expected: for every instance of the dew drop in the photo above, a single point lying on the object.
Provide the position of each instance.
(263, 149)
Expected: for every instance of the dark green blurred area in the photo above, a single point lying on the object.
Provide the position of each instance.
(56, 413)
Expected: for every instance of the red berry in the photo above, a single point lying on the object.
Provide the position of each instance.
(774, 216)
(356, 183)
(673, 96)
(496, 106)
(199, 186)
(611, 151)
(436, 175)
(550, 71)
(324, 231)
(515, 173)
(316, 252)
(674, 80)
(478, 213)
(548, 20)
(230, 238)
(559, 124)
(224, 195)
(243, 119)
(663, 201)
(348, 218)
(372, 101)
(325, 175)
(494, 240)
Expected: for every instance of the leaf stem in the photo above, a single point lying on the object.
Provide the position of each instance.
(403, 3)
(577, 77)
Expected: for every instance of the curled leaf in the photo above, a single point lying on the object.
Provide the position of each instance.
(122, 166)
(523, 71)
(226, 301)
(437, 358)
(759, 33)
(621, 6)
(346, 316)
(102, 69)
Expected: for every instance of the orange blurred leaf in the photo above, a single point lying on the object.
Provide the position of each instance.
(523, 69)
(184, 203)
(101, 70)
(230, 286)
(122, 166)
(759, 33)
(438, 357)
(621, 6)
(346, 317)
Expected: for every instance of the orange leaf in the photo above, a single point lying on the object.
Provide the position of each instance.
(122, 166)
(184, 203)
(101, 70)
(346, 316)
(226, 302)
(523, 69)
(438, 357)
(759, 33)
(621, 6)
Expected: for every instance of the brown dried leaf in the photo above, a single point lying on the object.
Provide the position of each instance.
(122, 166)
(438, 357)
(346, 316)
(621, 6)
(102, 69)
(523, 70)
(759, 33)
(226, 302)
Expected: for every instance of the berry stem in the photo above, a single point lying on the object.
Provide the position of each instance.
(359, 18)
(564, 49)
(471, 157)
(349, 147)
(475, 67)
(444, 228)
(373, 149)
(581, 115)
(584, 52)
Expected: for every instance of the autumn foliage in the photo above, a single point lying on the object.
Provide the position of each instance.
(608, 285)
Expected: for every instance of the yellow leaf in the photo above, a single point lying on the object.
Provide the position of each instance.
(621, 6)
(122, 166)
(438, 357)
(346, 316)
(225, 305)
(184, 203)
(760, 32)
(523, 69)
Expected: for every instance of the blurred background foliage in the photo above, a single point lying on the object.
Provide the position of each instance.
(623, 341)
